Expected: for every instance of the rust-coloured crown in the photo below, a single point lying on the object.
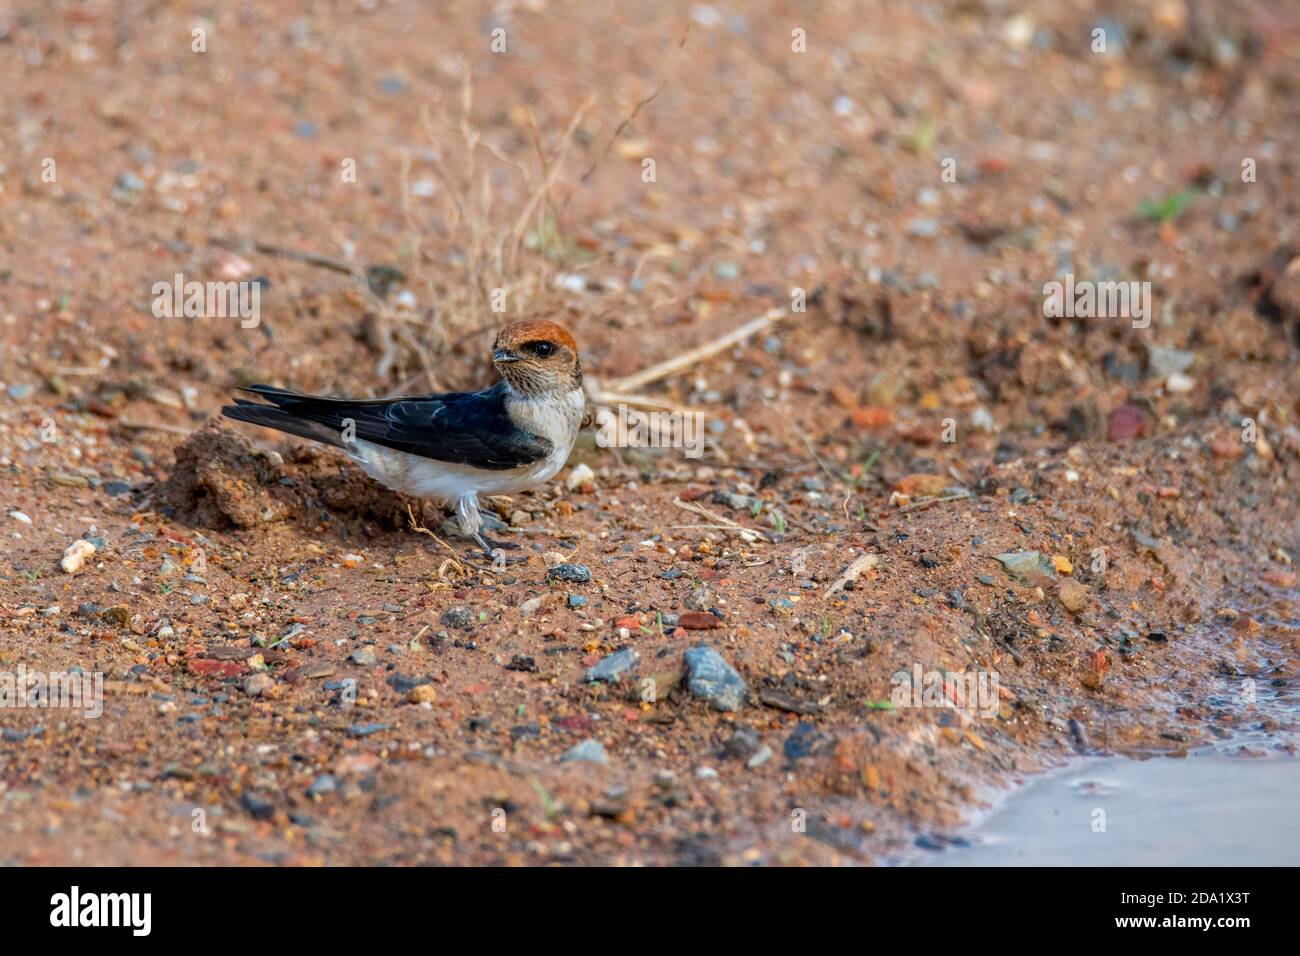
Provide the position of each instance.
(536, 330)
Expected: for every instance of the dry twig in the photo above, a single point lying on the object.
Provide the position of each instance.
(860, 564)
(721, 522)
(696, 355)
(454, 560)
(153, 427)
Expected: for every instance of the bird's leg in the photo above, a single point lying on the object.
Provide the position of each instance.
(471, 524)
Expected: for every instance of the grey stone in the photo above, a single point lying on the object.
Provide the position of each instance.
(1163, 361)
(322, 785)
(459, 617)
(712, 679)
(742, 744)
(589, 751)
(614, 665)
(575, 573)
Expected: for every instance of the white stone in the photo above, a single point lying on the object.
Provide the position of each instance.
(76, 555)
(580, 477)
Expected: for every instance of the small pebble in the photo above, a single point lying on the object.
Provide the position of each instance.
(255, 685)
(461, 618)
(75, 556)
(615, 665)
(574, 573)
(712, 679)
(581, 478)
(423, 694)
(589, 751)
(323, 785)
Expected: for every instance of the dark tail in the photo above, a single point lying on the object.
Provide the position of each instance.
(284, 414)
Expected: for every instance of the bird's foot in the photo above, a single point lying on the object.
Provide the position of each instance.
(494, 543)
(492, 550)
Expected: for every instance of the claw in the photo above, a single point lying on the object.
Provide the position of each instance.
(492, 551)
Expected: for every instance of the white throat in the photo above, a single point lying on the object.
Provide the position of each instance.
(555, 416)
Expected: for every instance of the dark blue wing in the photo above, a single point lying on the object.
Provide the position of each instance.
(466, 428)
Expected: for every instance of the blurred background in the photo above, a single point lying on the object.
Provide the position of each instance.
(429, 154)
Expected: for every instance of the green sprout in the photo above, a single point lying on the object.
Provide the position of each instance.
(1168, 208)
(548, 802)
(866, 469)
(923, 138)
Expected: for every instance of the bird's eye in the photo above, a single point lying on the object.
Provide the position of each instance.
(543, 349)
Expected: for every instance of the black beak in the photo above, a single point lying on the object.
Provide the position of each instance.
(504, 355)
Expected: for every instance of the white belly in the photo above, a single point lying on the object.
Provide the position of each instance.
(446, 482)
(555, 419)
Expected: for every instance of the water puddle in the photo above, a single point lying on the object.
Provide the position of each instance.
(1207, 809)
(1231, 804)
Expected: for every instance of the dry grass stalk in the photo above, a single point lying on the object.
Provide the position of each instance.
(721, 522)
(695, 356)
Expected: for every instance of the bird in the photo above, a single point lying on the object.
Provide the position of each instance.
(452, 447)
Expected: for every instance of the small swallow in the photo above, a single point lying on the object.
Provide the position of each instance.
(452, 447)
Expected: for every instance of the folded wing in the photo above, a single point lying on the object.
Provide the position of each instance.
(464, 428)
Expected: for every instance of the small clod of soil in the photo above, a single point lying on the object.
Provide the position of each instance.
(222, 481)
